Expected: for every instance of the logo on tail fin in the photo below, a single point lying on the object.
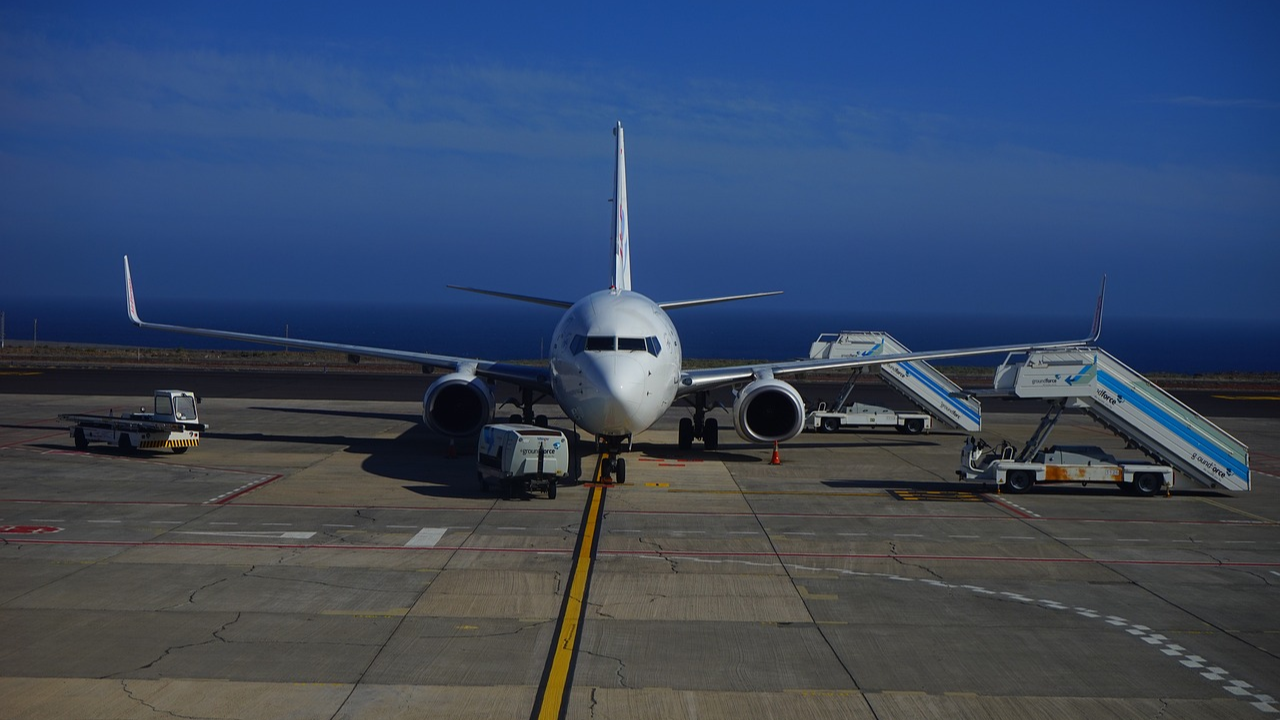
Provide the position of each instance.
(621, 233)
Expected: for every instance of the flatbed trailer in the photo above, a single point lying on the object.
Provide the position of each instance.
(861, 415)
(173, 424)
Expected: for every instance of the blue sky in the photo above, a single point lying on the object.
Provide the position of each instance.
(967, 157)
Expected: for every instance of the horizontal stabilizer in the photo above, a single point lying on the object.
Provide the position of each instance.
(513, 296)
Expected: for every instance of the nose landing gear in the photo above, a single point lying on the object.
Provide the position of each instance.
(613, 467)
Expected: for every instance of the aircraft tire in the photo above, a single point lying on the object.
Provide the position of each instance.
(686, 433)
(711, 434)
(81, 441)
(620, 471)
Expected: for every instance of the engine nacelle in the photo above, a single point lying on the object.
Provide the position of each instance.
(768, 410)
(457, 405)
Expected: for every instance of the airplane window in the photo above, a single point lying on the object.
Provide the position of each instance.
(577, 343)
(600, 342)
(652, 345)
(632, 344)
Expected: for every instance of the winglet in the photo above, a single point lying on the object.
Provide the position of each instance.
(128, 292)
(621, 233)
(1096, 332)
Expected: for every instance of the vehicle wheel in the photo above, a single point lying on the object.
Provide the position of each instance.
(620, 471)
(551, 489)
(540, 420)
(81, 441)
(915, 426)
(1019, 481)
(830, 424)
(1147, 484)
(711, 434)
(686, 433)
(484, 486)
(126, 444)
(515, 419)
(179, 450)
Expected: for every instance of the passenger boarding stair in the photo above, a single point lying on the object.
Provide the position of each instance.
(1125, 402)
(923, 385)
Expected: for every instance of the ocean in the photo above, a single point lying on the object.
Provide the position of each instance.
(510, 330)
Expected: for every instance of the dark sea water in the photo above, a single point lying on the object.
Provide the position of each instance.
(517, 331)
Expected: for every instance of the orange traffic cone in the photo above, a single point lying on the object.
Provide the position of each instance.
(775, 460)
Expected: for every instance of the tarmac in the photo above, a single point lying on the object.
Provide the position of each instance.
(326, 558)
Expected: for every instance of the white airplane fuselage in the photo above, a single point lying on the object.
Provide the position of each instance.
(615, 363)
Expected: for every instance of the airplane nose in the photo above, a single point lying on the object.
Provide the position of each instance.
(620, 383)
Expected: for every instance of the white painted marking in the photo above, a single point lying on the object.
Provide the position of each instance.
(264, 534)
(106, 521)
(336, 525)
(427, 537)
(848, 534)
(403, 527)
(965, 537)
(754, 532)
(224, 523)
(906, 535)
(277, 524)
(513, 527)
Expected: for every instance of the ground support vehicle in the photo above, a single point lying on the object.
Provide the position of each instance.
(174, 423)
(918, 381)
(860, 415)
(520, 459)
(1148, 418)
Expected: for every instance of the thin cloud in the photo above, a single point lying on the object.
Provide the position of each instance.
(1199, 101)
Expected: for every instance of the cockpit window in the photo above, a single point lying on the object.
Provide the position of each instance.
(600, 342)
(631, 344)
(606, 343)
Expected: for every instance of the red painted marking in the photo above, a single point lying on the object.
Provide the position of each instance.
(28, 529)
(665, 464)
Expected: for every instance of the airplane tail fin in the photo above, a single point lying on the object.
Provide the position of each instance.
(621, 233)
(1096, 331)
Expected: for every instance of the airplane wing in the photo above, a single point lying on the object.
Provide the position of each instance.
(692, 381)
(538, 378)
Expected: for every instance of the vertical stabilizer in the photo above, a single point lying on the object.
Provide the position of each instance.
(621, 233)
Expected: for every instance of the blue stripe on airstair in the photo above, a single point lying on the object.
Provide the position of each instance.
(942, 392)
(1175, 425)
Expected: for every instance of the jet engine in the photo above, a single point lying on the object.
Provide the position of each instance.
(768, 410)
(457, 405)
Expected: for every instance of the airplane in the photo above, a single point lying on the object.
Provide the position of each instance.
(616, 365)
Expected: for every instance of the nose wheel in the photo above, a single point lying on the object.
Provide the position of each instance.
(612, 465)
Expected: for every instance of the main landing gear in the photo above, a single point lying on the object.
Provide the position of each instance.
(699, 427)
(526, 415)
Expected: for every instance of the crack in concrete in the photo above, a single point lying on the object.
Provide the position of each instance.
(129, 693)
(216, 635)
(619, 673)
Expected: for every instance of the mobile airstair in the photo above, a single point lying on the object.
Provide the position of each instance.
(923, 385)
(1125, 402)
